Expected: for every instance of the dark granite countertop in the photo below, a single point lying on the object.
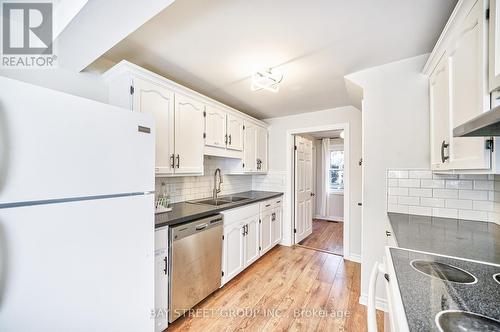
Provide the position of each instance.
(424, 296)
(452, 237)
(183, 212)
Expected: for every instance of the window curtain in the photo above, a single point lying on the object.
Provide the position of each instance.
(323, 188)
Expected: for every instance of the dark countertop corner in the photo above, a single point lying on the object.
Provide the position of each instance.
(183, 212)
(468, 239)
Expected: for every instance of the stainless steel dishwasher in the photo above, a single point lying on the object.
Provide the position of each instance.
(195, 263)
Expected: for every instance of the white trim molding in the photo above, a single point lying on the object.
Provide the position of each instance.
(380, 303)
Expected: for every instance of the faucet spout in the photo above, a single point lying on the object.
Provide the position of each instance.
(217, 189)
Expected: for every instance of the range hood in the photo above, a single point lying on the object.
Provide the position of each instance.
(484, 125)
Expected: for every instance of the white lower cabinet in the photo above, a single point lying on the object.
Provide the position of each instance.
(161, 279)
(249, 232)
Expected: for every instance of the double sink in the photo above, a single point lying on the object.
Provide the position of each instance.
(221, 201)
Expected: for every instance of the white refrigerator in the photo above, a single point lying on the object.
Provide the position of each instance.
(76, 213)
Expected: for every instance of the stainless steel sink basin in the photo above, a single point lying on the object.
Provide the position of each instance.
(210, 201)
(456, 320)
(233, 198)
(223, 200)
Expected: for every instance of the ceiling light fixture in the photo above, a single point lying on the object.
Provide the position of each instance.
(267, 80)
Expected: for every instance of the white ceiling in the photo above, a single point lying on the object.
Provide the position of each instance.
(213, 46)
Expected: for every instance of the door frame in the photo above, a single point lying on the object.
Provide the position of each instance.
(290, 176)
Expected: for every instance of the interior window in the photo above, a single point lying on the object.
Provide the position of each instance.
(336, 170)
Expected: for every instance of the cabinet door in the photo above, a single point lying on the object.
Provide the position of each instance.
(469, 96)
(252, 240)
(234, 251)
(440, 115)
(266, 226)
(276, 230)
(494, 46)
(261, 149)
(154, 99)
(250, 148)
(234, 133)
(161, 290)
(215, 127)
(188, 135)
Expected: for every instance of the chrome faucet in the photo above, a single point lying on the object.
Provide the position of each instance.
(217, 187)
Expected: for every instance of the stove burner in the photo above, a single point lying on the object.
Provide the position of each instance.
(457, 320)
(443, 271)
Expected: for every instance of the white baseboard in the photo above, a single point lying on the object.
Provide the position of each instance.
(380, 304)
(354, 258)
(332, 218)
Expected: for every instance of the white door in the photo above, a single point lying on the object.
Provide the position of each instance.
(154, 99)
(266, 226)
(161, 290)
(250, 148)
(251, 240)
(188, 135)
(468, 91)
(276, 229)
(440, 115)
(303, 188)
(234, 133)
(215, 127)
(234, 251)
(261, 149)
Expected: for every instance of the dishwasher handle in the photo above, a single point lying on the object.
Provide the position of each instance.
(201, 227)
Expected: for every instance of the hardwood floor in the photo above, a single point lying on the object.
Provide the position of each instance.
(326, 235)
(288, 289)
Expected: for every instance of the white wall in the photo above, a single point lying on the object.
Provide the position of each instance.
(278, 128)
(395, 135)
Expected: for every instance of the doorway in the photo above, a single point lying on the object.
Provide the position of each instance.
(320, 190)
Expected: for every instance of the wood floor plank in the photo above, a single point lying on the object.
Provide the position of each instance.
(326, 235)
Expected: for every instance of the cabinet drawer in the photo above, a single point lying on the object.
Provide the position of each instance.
(266, 205)
(240, 213)
(278, 202)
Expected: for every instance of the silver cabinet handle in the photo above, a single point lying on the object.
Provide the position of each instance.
(229, 139)
(387, 233)
(444, 145)
(225, 139)
(244, 230)
(172, 161)
(178, 161)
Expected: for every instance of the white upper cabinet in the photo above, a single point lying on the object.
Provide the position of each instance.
(234, 132)
(215, 127)
(468, 90)
(188, 135)
(149, 97)
(261, 152)
(494, 46)
(440, 115)
(458, 89)
(250, 150)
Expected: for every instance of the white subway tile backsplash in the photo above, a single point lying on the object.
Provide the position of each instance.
(418, 174)
(473, 215)
(459, 184)
(445, 213)
(395, 174)
(420, 210)
(465, 196)
(409, 183)
(445, 193)
(484, 185)
(432, 183)
(420, 192)
(459, 204)
(398, 191)
(432, 202)
(473, 194)
(407, 200)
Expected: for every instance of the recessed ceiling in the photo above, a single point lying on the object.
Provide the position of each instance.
(214, 46)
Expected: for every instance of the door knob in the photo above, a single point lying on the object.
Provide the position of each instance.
(313, 194)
